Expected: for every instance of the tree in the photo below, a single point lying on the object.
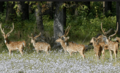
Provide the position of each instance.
(38, 14)
(87, 3)
(107, 8)
(118, 15)
(59, 19)
(1, 6)
(23, 10)
(10, 12)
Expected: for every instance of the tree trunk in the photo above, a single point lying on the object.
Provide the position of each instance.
(10, 12)
(39, 20)
(118, 15)
(107, 7)
(25, 10)
(31, 10)
(1, 6)
(87, 3)
(59, 20)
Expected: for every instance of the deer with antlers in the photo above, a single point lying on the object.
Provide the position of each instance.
(112, 46)
(12, 45)
(70, 47)
(39, 45)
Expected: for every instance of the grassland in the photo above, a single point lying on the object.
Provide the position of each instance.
(57, 62)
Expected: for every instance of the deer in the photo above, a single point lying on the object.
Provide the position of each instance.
(97, 47)
(112, 46)
(12, 45)
(70, 47)
(39, 46)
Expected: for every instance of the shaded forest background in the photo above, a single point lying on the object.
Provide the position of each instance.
(52, 17)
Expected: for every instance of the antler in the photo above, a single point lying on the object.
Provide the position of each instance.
(37, 35)
(115, 31)
(11, 29)
(105, 33)
(67, 30)
(30, 36)
(1, 28)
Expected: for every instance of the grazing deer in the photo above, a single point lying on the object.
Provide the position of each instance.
(112, 46)
(39, 45)
(12, 45)
(97, 47)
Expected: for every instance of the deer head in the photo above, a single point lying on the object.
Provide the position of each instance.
(110, 35)
(105, 33)
(34, 38)
(64, 37)
(8, 34)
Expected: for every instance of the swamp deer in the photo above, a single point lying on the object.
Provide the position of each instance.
(12, 45)
(112, 46)
(97, 47)
(70, 47)
(40, 45)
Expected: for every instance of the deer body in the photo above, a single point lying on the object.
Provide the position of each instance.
(16, 45)
(72, 47)
(112, 46)
(97, 48)
(43, 46)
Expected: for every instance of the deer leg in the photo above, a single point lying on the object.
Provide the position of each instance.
(37, 51)
(21, 51)
(111, 54)
(70, 53)
(9, 52)
(65, 52)
(103, 53)
(115, 55)
(47, 52)
(82, 54)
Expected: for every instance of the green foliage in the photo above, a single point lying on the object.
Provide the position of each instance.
(81, 27)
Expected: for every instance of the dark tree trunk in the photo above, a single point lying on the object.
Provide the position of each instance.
(107, 6)
(118, 15)
(10, 12)
(25, 10)
(31, 10)
(39, 20)
(19, 8)
(1, 6)
(51, 10)
(59, 20)
(87, 3)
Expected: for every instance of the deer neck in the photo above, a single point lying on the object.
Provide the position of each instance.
(94, 43)
(63, 44)
(34, 43)
(6, 41)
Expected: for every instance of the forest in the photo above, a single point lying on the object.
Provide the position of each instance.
(46, 21)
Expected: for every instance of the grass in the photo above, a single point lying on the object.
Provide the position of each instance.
(57, 61)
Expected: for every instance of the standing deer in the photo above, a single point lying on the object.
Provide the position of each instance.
(97, 47)
(112, 46)
(70, 47)
(12, 45)
(39, 45)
